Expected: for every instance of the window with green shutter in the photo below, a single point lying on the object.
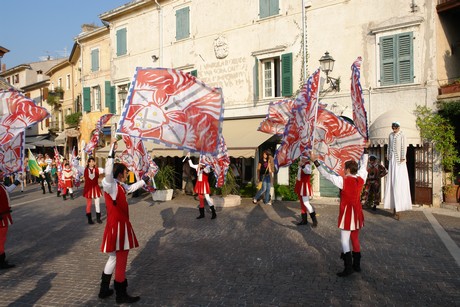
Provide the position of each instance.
(110, 97)
(396, 59)
(268, 8)
(286, 74)
(194, 73)
(121, 42)
(183, 23)
(87, 99)
(95, 60)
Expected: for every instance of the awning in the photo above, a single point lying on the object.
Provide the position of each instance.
(380, 129)
(32, 139)
(242, 137)
(61, 138)
(158, 150)
(72, 133)
(44, 143)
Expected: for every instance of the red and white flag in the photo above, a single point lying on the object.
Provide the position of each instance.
(17, 113)
(277, 117)
(12, 154)
(219, 163)
(357, 99)
(174, 108)
(96, 133)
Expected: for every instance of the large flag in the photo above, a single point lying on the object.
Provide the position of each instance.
(34, 168)
(12, 155)
(219, 163)
(336, 141)
(96, 133)
(17, 113)
(357, 99)
(277, 117)
(174, 108)
(298, 132)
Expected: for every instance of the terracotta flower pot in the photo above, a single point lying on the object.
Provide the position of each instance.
(451, 194)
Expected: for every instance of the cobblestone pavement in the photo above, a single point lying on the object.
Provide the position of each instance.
(251, 255)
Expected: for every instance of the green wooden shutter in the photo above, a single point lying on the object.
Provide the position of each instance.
(388, 60)
(256, 79)
(183, 23)
(95, 60)
(113, 102)
(405, 58)
(264, 8)
(274, 7)
(194, 73)
(286, 74)
(87, 99)
(121, 42)
(108, 96)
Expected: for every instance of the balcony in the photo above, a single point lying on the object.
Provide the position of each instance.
(54, 127)
(444, 6)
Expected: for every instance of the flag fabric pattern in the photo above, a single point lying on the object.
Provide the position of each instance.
(219, 163)
(12, 155)
(277, 117)
(357, 98)
(336, 141)
(74, 159)
(96, 133)
(34, 168)
(59, 167)
(174, 108)
(17, 113)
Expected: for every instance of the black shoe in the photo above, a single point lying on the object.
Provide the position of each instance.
(121, 295)
(90, 219)
(304, 220)
(357, 261)
(105, 290)
(213, 210)
(348, 265)
(4, 264)
(201, 213)
(98, 218)
(313, 218)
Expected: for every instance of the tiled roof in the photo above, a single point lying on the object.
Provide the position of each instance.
(4, 85)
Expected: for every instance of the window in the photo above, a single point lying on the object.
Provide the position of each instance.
(96, 98)
(276, 74)
(95, 60)
(396, 59)
(183, 23)
(110, 101)
(67, 82)
(16, 79)
(268, 8)
(60, 82)
(122, 42)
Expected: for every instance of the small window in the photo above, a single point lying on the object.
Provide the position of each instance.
(60, 82)
(67, 82)
(396, 59)
(122, 42)
(16, 79)
(183, 23)
(268, 8)
(95, 60)
(96, 98)
(276, 77)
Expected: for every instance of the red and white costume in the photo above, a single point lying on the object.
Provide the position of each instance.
(92, 189)
(303, 187)
(5, 214)
(67, 180)
(119, 236)
(202, 183)
(351, 217)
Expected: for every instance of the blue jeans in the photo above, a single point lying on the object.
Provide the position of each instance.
(266, 184)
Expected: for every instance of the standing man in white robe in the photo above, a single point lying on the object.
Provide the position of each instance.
(397, 189)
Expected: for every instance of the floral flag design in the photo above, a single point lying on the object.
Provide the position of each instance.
(174, 108)
(12, 154)
(17, 113)
(96, 133)
(219, 163)
(357, 99)
(277, 117)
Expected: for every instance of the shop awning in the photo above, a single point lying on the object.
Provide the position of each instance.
(45, 143)
(61, 138)
(242, 137)
(158, 150)
(380, 129)
(72, 133)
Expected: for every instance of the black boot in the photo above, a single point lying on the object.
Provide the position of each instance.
(4, 264)
(304, 220)
(105, 290)
(348, 265)
(121, 295)
(71, 195)
(313, 218)
(98, 218)
(64, 196)
(90, 219)
(43, 188)
(49, 188)
(58, 193)
(213, 210)
(201, 213)
(357, 261)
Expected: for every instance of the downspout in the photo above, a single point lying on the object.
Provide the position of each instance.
(80, 69)
(160, 14)
(304, 43)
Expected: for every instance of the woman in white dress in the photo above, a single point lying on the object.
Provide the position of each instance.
(397, 189)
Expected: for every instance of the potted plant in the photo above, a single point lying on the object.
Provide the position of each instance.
(453, 87)
(228, 194)
(438, 130)
(164, 183)
(73, 119)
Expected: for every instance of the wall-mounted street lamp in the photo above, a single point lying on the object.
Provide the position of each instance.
(122, 93)
(327, 65)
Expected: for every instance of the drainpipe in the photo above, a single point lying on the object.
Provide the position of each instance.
(80, 69)
(304, 43)
(160, 14)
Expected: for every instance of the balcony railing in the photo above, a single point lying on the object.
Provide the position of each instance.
(54, 126)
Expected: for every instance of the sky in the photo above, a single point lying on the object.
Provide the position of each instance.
(33, 30)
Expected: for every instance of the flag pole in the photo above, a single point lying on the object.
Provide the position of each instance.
(316, 112)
